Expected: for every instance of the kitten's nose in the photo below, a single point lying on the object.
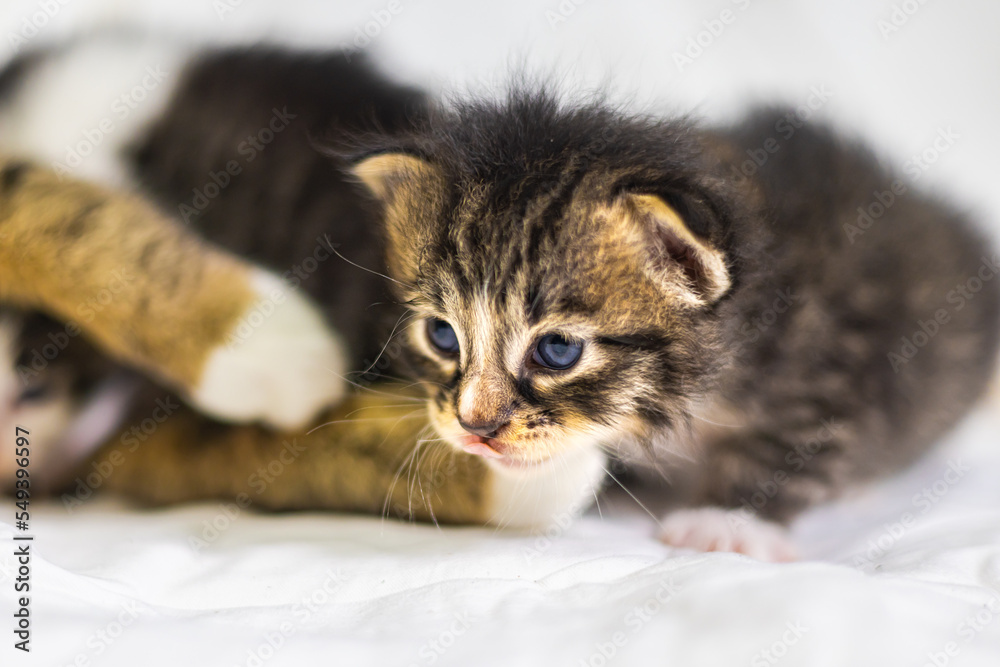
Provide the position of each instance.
(484, 428)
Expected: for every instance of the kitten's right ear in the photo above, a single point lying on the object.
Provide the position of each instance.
(409, 189)
(385, 174)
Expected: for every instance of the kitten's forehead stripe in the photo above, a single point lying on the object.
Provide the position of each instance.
(556, 207)
(534, 305)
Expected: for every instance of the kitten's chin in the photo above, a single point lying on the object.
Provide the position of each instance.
(534, 490)
(540, 494)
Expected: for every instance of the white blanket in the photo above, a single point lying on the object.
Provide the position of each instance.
(904, 573)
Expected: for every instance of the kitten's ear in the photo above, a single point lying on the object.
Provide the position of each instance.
(385, 173)
(687, 264)
(410, 190)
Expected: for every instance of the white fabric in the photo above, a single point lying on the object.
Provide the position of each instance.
(347, 590)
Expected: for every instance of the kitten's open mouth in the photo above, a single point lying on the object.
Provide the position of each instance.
(474, 444)
(488, 449)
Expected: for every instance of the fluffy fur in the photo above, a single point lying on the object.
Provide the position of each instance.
(724, 314)
(507, 219)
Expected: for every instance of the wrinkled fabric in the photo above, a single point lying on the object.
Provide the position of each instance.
(119, 586)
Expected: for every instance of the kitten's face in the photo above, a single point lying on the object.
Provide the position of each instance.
(552, 310)
(41, 384)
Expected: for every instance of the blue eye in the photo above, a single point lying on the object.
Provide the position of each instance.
(442, 336)
(556, 352)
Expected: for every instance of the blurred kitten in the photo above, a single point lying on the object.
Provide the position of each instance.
(67, 395)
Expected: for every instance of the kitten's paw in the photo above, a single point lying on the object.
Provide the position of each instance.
(281, 364)
(717, 529)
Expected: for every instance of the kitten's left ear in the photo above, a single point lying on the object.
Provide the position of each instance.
(411, 191)
(385, 173)
(684, 262)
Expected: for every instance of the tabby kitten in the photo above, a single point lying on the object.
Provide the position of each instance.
(574, 281)
(587, 278)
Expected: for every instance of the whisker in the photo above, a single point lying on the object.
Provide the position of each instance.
(420, 486)
(392, 486)
(380, 406)
(409, 479)
(377, 392)
(632, 495)
(504, 520)
(362, 419)
(405, 316)
(709, 421)
(382, 275)
(403, 464)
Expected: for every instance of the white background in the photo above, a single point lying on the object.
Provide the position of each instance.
(938, 69)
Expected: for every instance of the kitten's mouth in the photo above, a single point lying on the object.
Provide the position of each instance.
(480, 446)
(492, 450)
